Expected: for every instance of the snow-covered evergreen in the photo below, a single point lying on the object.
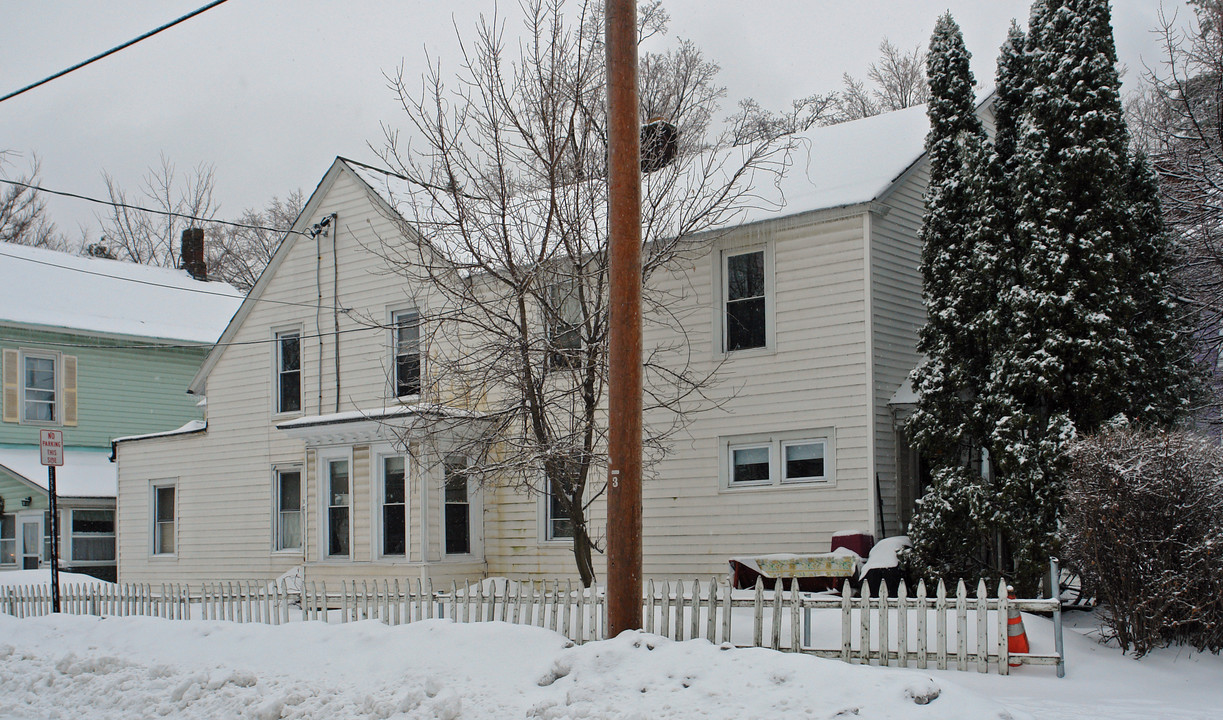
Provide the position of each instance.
(1061, 320)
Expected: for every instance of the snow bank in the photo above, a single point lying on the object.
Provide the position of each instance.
(24, 578)
(54, 667)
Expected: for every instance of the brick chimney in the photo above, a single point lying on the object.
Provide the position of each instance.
(192, 252)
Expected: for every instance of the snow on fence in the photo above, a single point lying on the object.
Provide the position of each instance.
(942, 630)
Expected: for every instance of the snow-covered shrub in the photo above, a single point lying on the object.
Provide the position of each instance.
(1143, 524)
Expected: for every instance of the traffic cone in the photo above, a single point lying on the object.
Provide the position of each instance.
(1016, 636)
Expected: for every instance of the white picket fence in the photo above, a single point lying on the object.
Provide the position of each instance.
(942, 630)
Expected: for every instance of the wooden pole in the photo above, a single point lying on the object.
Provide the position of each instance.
(624, 353)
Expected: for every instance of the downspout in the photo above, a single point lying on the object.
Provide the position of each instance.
(868, 292)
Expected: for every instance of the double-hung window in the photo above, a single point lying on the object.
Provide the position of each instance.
(745, 300)
(38, 388)
(288, 371)
(394, 506)
(405, 328)
(457, 510)
(288, 508)
(564, 322)
(164, 513)
(339, 502)
(559, 522)
(93, 535)
(779, 459)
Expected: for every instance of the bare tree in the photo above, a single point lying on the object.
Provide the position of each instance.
(899, 77)
(238, 253)
(23, 214)
(1179, 122)
(152, 238)
(506, 203)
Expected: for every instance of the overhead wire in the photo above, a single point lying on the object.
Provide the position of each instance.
(113, 50)
(154, 211)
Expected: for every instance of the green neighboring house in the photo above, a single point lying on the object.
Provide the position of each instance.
(99, 349)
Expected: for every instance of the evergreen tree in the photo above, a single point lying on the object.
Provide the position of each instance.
(1088, 334)
(947, 425)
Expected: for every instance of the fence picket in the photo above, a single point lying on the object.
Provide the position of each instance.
(961, 626)
(864, 626)
(940, 649)
(694, 606)
(678, 608)
(796, 644)
(846, 621)
(884, 638)
(902, 625)
(1004, 648)
(982, 622)
(779, 593)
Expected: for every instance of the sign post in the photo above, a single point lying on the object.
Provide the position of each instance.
(51, 453)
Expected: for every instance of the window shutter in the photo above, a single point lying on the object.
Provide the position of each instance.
(11, 393)
(70, 390)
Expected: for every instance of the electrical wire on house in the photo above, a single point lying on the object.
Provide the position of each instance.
(152, 211)
(113, 50)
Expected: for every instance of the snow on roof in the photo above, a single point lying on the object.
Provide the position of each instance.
(377, 414)
(832, 166)
(192, 426)
(58, 290)
(85, 472)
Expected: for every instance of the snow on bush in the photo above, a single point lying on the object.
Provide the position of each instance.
(1143, 524)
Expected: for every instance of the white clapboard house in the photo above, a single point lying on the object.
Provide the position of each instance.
(304, 423)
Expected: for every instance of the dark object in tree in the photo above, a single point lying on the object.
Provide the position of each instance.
(659, 143)
(1143, 524)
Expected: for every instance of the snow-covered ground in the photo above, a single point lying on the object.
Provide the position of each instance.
(87, 667)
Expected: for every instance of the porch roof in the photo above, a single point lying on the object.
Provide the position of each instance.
(86, 472)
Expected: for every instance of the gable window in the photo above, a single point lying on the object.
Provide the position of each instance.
(93, 535)
(288, 371)
(406, 343)
(163, 520)
(394, 506)
(457, 511)
(784, 458)
(338, 506)
(288, 519)
(8, 539)
(745, 305)
(38, 388)
(559, 524)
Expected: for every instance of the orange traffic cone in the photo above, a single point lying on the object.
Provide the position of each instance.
(1017, 637)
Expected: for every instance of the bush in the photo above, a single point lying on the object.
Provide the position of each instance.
(1143, 524)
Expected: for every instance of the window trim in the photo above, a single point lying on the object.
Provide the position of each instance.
(393, 375)
(323, 462)
(57, 380)
(379, 491)
(154, 535)
(72, 536)
(720, 292)
(777, 442)
(277, 400)
(277, 512)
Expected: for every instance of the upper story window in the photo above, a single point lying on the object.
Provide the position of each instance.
(745, 301)
(288, 371)
(405, 328)
(564, 322)
(38, 388)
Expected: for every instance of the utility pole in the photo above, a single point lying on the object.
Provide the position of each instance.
(624, 353)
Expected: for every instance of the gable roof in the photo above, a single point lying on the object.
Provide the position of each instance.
(54, 290)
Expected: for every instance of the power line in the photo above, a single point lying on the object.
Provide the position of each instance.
(151, 346)
(155, 284)
(126, 206)
(113, 50)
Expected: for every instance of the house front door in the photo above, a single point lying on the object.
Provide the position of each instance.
(31, 542)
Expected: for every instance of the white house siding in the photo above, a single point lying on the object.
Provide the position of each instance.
(897, 313)
(813, 378)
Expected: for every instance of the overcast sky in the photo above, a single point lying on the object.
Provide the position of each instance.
(270, 91)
